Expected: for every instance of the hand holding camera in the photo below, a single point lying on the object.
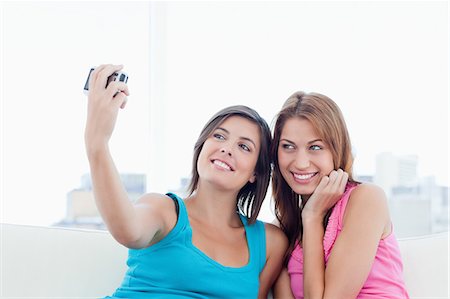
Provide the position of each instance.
(107, 92)
(116, 76)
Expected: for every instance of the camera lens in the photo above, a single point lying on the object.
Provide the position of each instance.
(122, 78)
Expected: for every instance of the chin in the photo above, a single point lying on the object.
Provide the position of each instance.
(221, 184)
(304, 190)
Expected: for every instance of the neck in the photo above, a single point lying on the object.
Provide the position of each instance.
(216, 207)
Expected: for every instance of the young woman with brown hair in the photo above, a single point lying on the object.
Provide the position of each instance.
(208, 245)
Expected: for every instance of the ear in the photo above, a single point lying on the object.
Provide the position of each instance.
(252, 178)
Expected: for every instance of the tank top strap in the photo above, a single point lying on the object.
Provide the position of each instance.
(256, 238)
(181, 210)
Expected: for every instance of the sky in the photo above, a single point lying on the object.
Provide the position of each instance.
(384, 63)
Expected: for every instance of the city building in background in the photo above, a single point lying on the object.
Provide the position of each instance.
(394, 171)
(81, 211)
(418, 206)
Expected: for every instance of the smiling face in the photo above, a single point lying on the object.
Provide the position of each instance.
(229, 155)
(303, 156)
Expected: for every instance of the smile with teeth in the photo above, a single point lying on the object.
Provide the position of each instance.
(222, 164)
(304, 177)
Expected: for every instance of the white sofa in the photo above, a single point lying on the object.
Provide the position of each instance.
(61, 263)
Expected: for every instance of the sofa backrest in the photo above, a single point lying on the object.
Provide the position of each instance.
(425, 265)
(60, 263)
(57, 262)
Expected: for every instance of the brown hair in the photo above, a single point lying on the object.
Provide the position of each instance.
(251, 196)
(328, 121)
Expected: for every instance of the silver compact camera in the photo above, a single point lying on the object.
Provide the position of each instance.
(117, 76)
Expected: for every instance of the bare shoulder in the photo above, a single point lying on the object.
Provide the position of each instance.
(276, 222)
(367, 201)
(275, 237)
(157, 210)
(276, 245)
(158, 205)
(366, 193)
(273, 230)
(156, 200)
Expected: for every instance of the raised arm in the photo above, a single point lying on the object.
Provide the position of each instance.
(134, 226)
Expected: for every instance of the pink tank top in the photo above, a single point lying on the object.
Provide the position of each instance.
(385, 278)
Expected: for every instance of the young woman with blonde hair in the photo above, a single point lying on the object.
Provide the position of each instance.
(341, 239)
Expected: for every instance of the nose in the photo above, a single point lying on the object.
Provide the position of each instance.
(302, 160)
(225, 151)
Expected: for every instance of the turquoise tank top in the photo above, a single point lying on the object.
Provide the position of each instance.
(175, 268)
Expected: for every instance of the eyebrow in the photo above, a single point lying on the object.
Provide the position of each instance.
(240, 137)
(309, 142)
(287, 140)
(315, 140)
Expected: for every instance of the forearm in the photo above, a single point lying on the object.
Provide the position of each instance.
(313, 258)
(111, 197)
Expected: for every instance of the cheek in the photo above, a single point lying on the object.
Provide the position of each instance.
(283, 161)
(201, 159)
(328, 164)
(199, 165)
(249, 163)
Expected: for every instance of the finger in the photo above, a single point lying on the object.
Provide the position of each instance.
(339, 174)
(95, 73)
(96, 77)
(112, 93)
(334, 183)
(93, 78)
(340, 181)
(120, 100)
(124, 103)
(116, 86)
(323, 183)
(343, 182)
(104, 73)
(333, 176)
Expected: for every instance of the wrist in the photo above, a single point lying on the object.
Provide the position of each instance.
(309, 218)
(94, 151)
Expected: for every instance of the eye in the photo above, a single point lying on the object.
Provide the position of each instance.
(218, 136)
(244, 147)
(315, 147)
(287, 146)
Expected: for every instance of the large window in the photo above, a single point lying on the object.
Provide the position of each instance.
(384, 63)
(47, 51)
